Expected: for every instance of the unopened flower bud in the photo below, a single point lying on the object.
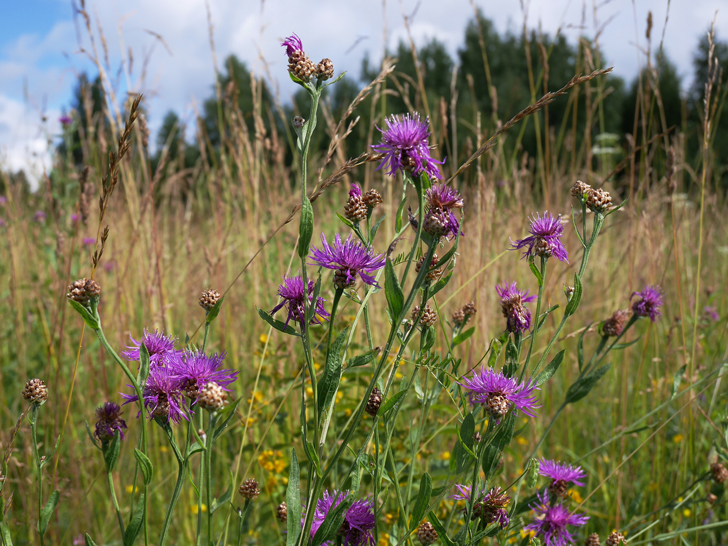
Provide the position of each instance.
(568, 292)
(325, 69)
(298, 122)
(36, 392)
(209, 299)
(282, 512)
(249, 489)
(83, 291)
(426, 533)
(374, 402)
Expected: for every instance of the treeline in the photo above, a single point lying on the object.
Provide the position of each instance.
(492, 78)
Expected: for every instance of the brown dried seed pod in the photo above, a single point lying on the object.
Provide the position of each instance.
(429, 316)
(598, 200)
(249, 489)
(372, 199)
(35, 391)
(282, 512)
(592, 540)
(432, 275)
(209, 298)
(374, 402)
(325, 69)
(426, 533)
(497, 405)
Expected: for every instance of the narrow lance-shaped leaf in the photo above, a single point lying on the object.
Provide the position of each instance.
(293, 502)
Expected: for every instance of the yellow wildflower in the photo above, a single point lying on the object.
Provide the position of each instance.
(687, 512)
(263, 339)
(445, 456)
(196, 509)
(131, 488)
(677, 438)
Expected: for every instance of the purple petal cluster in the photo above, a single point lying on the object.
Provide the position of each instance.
(358, 521)
(498, 393)
(108, 421)
(518, 317)
(349, 258)
(440, 221)
(649, 303)
(559, 471)
(545, 238)
(711, 313)
(292, 44)
(292, 294)
(405, 145)
(160, 347)
(551, 522)
(490, 506)
(163, 395)
(196, 370)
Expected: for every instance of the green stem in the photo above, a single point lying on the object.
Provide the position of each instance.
(36, 455)
(208, 472)
(544, 262)
(182, 470)
(204, 338)
(112, 489)
(420, 220)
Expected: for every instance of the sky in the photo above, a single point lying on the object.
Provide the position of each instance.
(44, 45)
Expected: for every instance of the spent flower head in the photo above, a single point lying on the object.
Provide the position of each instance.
(545, 238)
(405, 145)
(499, 393)
(518, 317)
(109, 421)
(649, 303)
(552, 522)
(349, 259)
(292, 294)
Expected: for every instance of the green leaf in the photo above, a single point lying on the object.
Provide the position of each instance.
(616, 208)
(332, 374)
(389, 404)
(440, 528)
(145, 464)
(336, 79)
(501, 439)
(346, 221)
(305, 229)
(363, 359)
(440, 284)
(47, 512)
(111, 453)
(293, 502)
(277, 324)
(226, 415)
(312, 456)
(89, 540)
(422, 501)
(90, 320)
(399, 220)
(580, 347)
(535, 271)
(135, 525)
(375, 228)
(311, 309)
(677, 379)
(215, 311)
(582, 386)
(332, 522)
(549, 371)
(618, 346)
(462, 336)
(393, 291)
(573, 304)
(194, 448)
(633, 506)
(224, 499)
(465, 435)
(144, 364)
(545, 315)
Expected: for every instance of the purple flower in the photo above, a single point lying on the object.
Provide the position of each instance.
(348, 258)
(406, 147)
(197, 370)
(65, 120)
(39, 216)
(88, 241)
(109, 266)
(3, 199)
(551, 522)
(711, 312)
(163, 396)
(74, 218)
(489, 506)
(649, 303)
(560, 471)
(498, 393)
(518, 317)
(292, 44)
(545, 238)
(358, 521)
(292, 292)
(108, 421)
(160, 347)
(440, 220)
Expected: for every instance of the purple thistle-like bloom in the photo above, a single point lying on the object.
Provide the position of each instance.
(649, 303)
(65, 120)
(197, 370)
(88, 241)
(292, 293)
(109, 420)
(545, 238)
(292, 44)
(561, 474)
(551, 522)
(39, 216)
(355, 190)
(518, 317)
(163, 396)
(358, 521)
(160, 347)
(711, 313)
(490, 506)
(348, 258)
(440, 220)
(498, 393)
(405, 145)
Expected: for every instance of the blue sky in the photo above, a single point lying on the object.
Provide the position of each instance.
(41, 43)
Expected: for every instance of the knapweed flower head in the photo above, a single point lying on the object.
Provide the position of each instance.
(39, 216)
(489, 506)
(561, 476)
(615, 324)
(65, 120)
(499, 393)
(88, 241)
(440, 221)
(160, 347)
(545, 239)
(163, 396)
(518, 317)
(405, 145)
(551, 522)
(358, 521)
(355, 208)
(711, 313)
(349, 259)
(196, 370)
(109, 421)
(649, 303)
(292, 44)
(292, 294)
